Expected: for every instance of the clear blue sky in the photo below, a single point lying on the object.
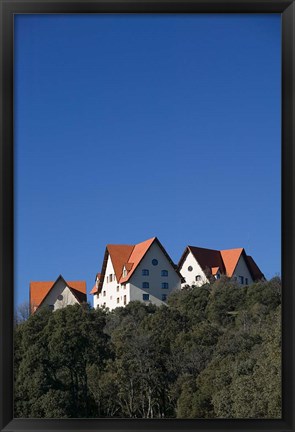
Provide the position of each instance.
(134, 126)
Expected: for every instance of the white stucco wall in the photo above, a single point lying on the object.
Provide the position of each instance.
(60, 289)
(114, 297)
(242, 270)
(190, 276)
(154, 278)
(111, 291)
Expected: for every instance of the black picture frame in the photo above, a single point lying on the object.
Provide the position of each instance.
(8, 9)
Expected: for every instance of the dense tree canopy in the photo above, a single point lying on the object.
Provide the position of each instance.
(215, 351)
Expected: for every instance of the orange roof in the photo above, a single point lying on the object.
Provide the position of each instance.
(230, 258)
(224, 260)
(214, 270)
(94, 290)
(128, 256)
(136, 256)
(39, 290)
(119, 256)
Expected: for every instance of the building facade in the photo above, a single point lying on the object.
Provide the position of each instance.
(198, 265)
(56, 295)
(142, 272)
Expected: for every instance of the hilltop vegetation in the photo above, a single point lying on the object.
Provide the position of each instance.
(214, 352)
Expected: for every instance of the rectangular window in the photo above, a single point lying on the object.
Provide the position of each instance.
(107, 279)
(145, 272)
(145, 285)
(246, 281)
(164, 273)
(111, 277)
(104, 293)
(118, 288)
(165, 285)
(118, 299)
(164, 297)
(125, 300)
(145, 297)
(241, 279)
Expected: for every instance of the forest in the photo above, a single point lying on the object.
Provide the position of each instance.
(213, 352)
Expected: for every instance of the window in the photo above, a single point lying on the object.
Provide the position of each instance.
(165, 285)
(155, 262)
(118, 299)
(111, 277)
(164, 273)
(60, 297)
(241, 279)
(145, 297)
(125, 300)
(104, 293)
(145, 285)
(246, 281)
(118, 288)
(198, 278)
(145, 272)
(164, 297)
(111, 297)
(51, 307)
(190, 268)
(107, 279)
(124, 272)
(104, 305)
(217, 276)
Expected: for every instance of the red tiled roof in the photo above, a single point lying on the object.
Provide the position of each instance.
(138, 252)
(214, 270)
(230, 258)
(225, 260)
(207, 258)
(39, 290)
(94, 290)
(128, 256)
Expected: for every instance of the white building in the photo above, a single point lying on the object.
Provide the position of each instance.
(143, 272)
(197, 265)
(58, 294)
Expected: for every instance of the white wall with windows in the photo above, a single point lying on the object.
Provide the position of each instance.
(112, 293)
(242, 272)
(60, 296)
(154, 276)
(192, 272)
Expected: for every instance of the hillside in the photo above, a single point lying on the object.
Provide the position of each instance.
(215, 352)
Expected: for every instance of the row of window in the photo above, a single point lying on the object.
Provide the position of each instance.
(146, 272)
(146, 285)
(242, 279)
(111, 278)
(146, 297)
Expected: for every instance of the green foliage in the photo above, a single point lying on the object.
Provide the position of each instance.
(214, 352)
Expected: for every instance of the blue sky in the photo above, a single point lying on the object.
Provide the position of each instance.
(134, 126)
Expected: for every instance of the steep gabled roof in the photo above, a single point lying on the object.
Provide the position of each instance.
(230, 259)
(95, 288)
(207, 258)
(40, 290)
(224, 260)
(254, 269)
(138, 252)
(129, 256)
